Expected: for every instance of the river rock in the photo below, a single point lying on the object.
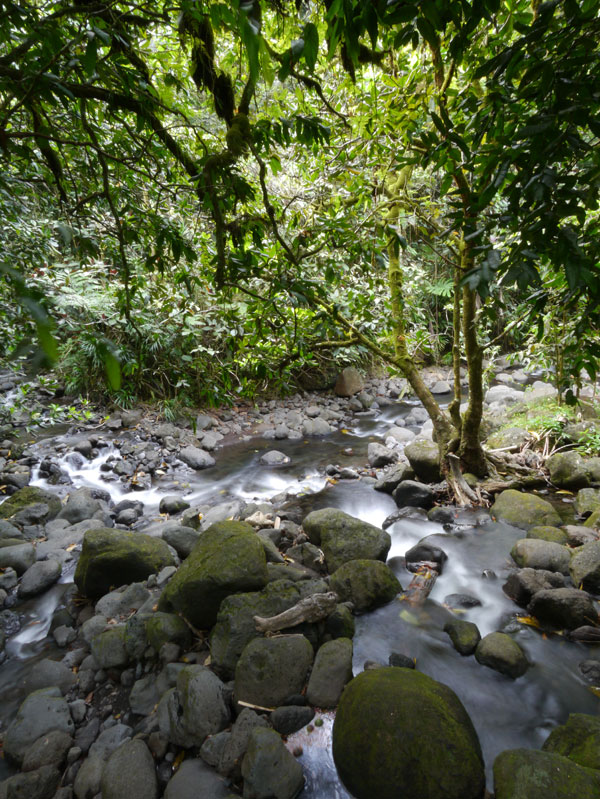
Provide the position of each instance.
(194, 779)
(424, 457)
(349, 382)
(585, 567)
(49, 750)
(464, 635)
(287, 719)
(578, 739)
(114, 558)
(508, 437)
(130, 772)
(537, 554)
(39, 784)
(8, 530)
(546, 533)
(529, 774)
(269, 770)
(410, 493)
(566, 608)
(173, 504)
(272, 669)
(426, 550)
(80, 505)
(578, 534)
(109, 649)
(522, 584)
(38, 577)
(375, 757)
(163, 628)
(19, 557)
(399, 435)
(503, 395)
(228, 558)
(568, 470)
(235, 621)
(181, 538)
(274, 458)
(501, 653)
(343, 538)
(591, 670)
(379, 456)
(524, 510)
(393, 476)
(196, 458)
(41, 712)
(122, 601)
(366, 583)
(195, 708)
(48, 673)
(30, 495)
(587, 501)
(230, 759)
(331, 671)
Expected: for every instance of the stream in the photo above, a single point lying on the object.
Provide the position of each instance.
(506, 713)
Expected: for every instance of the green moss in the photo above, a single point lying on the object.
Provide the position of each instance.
(547, 533)
(524, 510)
(529, 774)
(30, 495)
(578, 739)
(366, 583)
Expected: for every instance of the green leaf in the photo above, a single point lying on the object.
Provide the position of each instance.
(113, 370)
(310, 34)
(89, 58)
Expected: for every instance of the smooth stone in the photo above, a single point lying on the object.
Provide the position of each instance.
(331, 671)
(563, 608)
(39, 577)
(130, 773)
(498, 651)
(269, 770)
(195, 780)
(41, 712)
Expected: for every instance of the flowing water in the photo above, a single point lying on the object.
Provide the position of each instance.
(506, 713)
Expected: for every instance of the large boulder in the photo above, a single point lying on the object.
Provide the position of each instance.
(228, 558)
(568, 470)
(271, 670)
(524, 510)
(112, 558)
(522, 584)
(587, 501)
(366, 583)
(565, 608)
(349, 382)
(41, 712)
(30, 495)
(585, 567)
(343, 538)
(578, 739)
(533, 553)
(412, 494)
(424, 456)
(398, 733)
(130, 772)
(498, 651)
(80, 505)
(529, 774)
(547, 533)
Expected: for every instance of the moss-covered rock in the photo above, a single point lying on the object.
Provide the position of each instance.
(593, 521)
(524, 510)
(563, 608)
(508, 437)
(547, 533)
(30, 495)
(331, 671)
(587, 501)
(110, 558)
(340, 624)
(109, 648)
(529, 774)
(343, 538)
(399, 733)
(464, 635)
(424, 457)
(578, 739)
(534, 553)
(163, 628)
(498, 651)
(585, 567)
(366, 583)
(227, 559)
(568, 470)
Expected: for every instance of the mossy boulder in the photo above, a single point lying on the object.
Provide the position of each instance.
(578, 739)
(30, 495)
(585, 567)
(227, 559)
(110, 558)
(424, 457)
(524, 510)
(464, 635)
(109, 649)
(498, 651)
(568, 470)
(533, 553)
(366, 583)
(398, 733)
(587, 501)
(530, 774)
(235, 622)
(343, 537)
(563, 608)
(547, 533)
(163, 628)
(508, 437)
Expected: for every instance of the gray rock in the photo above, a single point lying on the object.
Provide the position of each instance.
(173, 504)
(504, 395)
(531, 774)
(162, 628)
(49, 750)
(410, 493)
(38, 577)
(50, 673)
(291, 718)
(210, 440)
(18, 557)
(568, 470)
(441, 387)
(144, 695)
(182, 539)
(537, 554)
(587, 501)
(230, 760)
(93, 627)
(274, 458)
(366, 583)
(39, 784)
(316, 427)
(498, 651)
(379, 456)
(204, 421)
(522, 584)
(561, 608)
(223, 511)
(272, 669)
(424, 457)
(123, 602)
(578, 534)
(270, 771)
(343, 538)
(194, 779)
(585, 567)
(524, 510)
(130, 772)
(80, 505)
(400, 434)
(591, 670)
(41, 712)
(196, 458)
(108, 648)
(349, 382)
(393, 476)
(464, 635)
(331, 671)
(508, 437)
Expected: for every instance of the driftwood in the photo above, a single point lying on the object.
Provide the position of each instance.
(425, 575)
(313, 608)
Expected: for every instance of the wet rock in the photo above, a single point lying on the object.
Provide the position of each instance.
(49, 750)
(232, 754)
(195, 779)
(162, 628)
(441, 758)
(274, 458)
(568, 470)
(578, 739)
(590, 670)
(331, 671)
(424, 457)
(41, 712)
(522, 584)
(30, 495)
(8, 530)
(340, 623)
(524, 510)
(546, 533)
(349, 382)
(529, 774)
(19, 557)
(536, 554)
(566, 608)
(80, 505)
(316, 427)
(587, 501)
(461, 601)
(400, 435)
(464, 635)
(291, 718)
(343, 538)
(39, 577)
(366, 583)
(228, 558)
(401, 661)
(413, 494)
(196, 458)
(49, 673)
(114, 557)
(129, 772)
(308, 555)
(498, 651)
(270, 771)
(379, 456)
(393, 476)
(172, 505)
(425, 551)
(39, 784)
(585, 567)
(271, 669)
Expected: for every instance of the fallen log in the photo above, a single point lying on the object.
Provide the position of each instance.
(425, 575)
(314, 608)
